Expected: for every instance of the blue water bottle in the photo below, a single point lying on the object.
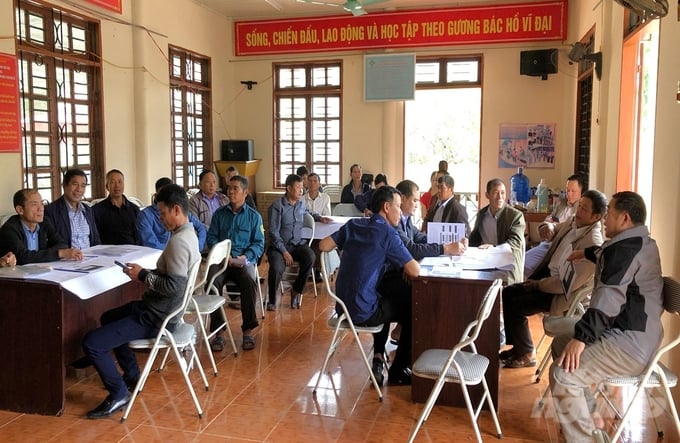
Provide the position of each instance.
(519, 187)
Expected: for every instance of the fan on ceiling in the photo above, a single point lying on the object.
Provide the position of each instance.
(646, 8)
(356, 7)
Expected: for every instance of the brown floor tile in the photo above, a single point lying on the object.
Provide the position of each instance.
(266, 395)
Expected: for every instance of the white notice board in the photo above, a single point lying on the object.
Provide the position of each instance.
(389, 77)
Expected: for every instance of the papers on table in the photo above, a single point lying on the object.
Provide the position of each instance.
(443, 233)
(93, 275)
(498, 257)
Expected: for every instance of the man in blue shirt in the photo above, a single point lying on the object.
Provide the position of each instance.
(152, 232)
(286, 244)
(73, 220)
(243, 225)
(367, 246)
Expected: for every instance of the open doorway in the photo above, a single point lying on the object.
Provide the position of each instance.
(638, 111)
(444, 124)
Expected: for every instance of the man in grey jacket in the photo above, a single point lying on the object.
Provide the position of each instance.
(621, 330)
(141, 319)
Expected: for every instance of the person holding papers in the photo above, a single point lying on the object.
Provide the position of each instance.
(243, 225)
(414, 240)
(30, 236)
(544, 290)
(499, 223)
(447, 209)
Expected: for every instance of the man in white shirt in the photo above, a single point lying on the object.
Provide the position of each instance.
(315, 200)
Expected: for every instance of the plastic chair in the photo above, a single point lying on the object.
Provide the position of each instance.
(656, 375)
(577, 307)
(343, 322)
(291, 272)
(181, 337)
(462, 367)
(347, 210)
(204, 303)
(334, 192)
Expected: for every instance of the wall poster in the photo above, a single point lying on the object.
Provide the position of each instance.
(10, 118)
(528, 145)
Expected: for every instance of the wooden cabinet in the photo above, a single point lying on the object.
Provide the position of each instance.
(247, 169)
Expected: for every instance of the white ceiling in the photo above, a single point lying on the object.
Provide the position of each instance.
(271, 9)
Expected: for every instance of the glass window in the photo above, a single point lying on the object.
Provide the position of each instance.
(307, 120)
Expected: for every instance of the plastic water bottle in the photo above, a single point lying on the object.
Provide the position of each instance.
(542, 196)
(519, 186)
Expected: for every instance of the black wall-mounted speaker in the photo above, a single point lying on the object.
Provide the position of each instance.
(238, 150)
(538, 63)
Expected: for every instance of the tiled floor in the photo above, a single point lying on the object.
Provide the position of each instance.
(266, 395)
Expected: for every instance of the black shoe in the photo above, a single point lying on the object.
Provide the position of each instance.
(378, 371)
(506, 355)
(81, 363)
(399, 377)
(294, 300)
(108, 407)
(317, 276)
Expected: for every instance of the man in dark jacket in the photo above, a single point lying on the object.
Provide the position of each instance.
(30, 236)
(621, 330)
(73, 220)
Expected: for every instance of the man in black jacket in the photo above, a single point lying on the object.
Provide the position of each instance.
(31, 237)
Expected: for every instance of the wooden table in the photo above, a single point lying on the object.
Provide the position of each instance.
(442, 308)
(42, 327)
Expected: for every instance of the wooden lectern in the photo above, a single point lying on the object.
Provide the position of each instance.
(247, 169)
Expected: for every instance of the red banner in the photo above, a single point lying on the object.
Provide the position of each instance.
(111, 5)
(10, 118)
(440, 27)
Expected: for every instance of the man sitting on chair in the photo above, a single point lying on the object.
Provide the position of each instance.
(142, 318)
(621, 330)
(544, 290)
(243, 225)
(367, 245)
(286, 245)
(447, 209)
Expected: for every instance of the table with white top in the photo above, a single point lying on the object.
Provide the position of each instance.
(47, 309)
(323, 230)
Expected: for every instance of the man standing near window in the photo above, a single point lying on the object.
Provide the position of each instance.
(73, 220)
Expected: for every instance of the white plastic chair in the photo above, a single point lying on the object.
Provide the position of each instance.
(656, 375)
(343, 322)
(291, 272)
(347, 210)
(204, 303)
(181, 337)
(334, 192)
(458, 366)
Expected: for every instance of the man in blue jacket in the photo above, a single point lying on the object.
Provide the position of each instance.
(73, 220)
(243, 225)
(152, 232)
